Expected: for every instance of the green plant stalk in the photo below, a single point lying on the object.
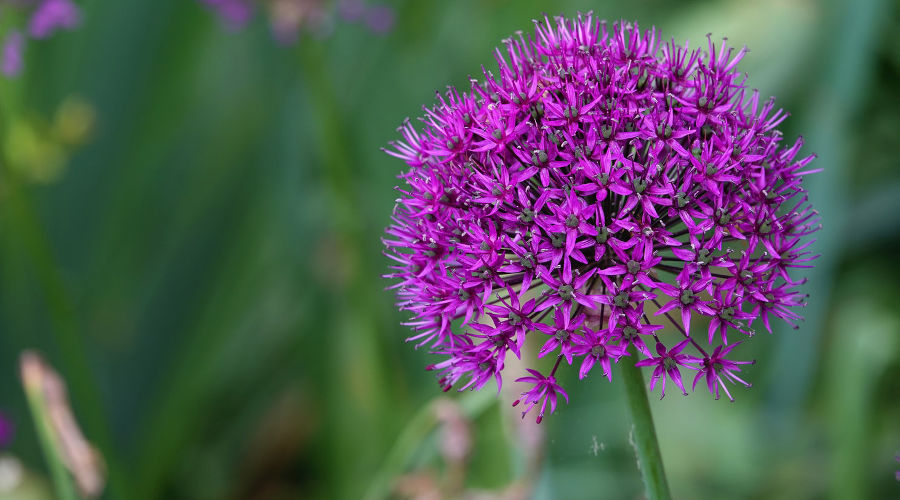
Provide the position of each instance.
(473, 405)
(62, 481)
(646, 447)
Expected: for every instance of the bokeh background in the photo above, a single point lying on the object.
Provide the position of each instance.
(190, 222)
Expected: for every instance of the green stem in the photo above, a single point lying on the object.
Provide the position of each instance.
(645, 444)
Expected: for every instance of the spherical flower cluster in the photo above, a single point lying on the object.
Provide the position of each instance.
(603, 185)
(44, 18)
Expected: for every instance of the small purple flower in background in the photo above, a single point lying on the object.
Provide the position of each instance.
(7, 431)
(53, 15)
(616, 183)
(11, 61)
(234, 13)
(288, 18)
(45, 18)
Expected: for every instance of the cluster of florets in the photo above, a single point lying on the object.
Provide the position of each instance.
(43, 19)
(288, 18)
(603, 185)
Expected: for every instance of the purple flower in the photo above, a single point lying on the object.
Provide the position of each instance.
(667, 362)
(598, 347)
(52, 15)
(288, 18)
(7, 431)
(717, 370)
(11, 63)
(544, 390)
(44, 18)
(234, 13)
(599, 185)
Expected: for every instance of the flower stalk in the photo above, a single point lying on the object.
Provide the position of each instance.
(644, 440)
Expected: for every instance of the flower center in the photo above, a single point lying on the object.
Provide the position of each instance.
(558, 240)
(566, 292)
(727, 314)
(527, 216)
(633, 267)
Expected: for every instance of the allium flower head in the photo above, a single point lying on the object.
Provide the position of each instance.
(601, 185)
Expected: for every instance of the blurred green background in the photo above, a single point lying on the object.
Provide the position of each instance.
(204, 268)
